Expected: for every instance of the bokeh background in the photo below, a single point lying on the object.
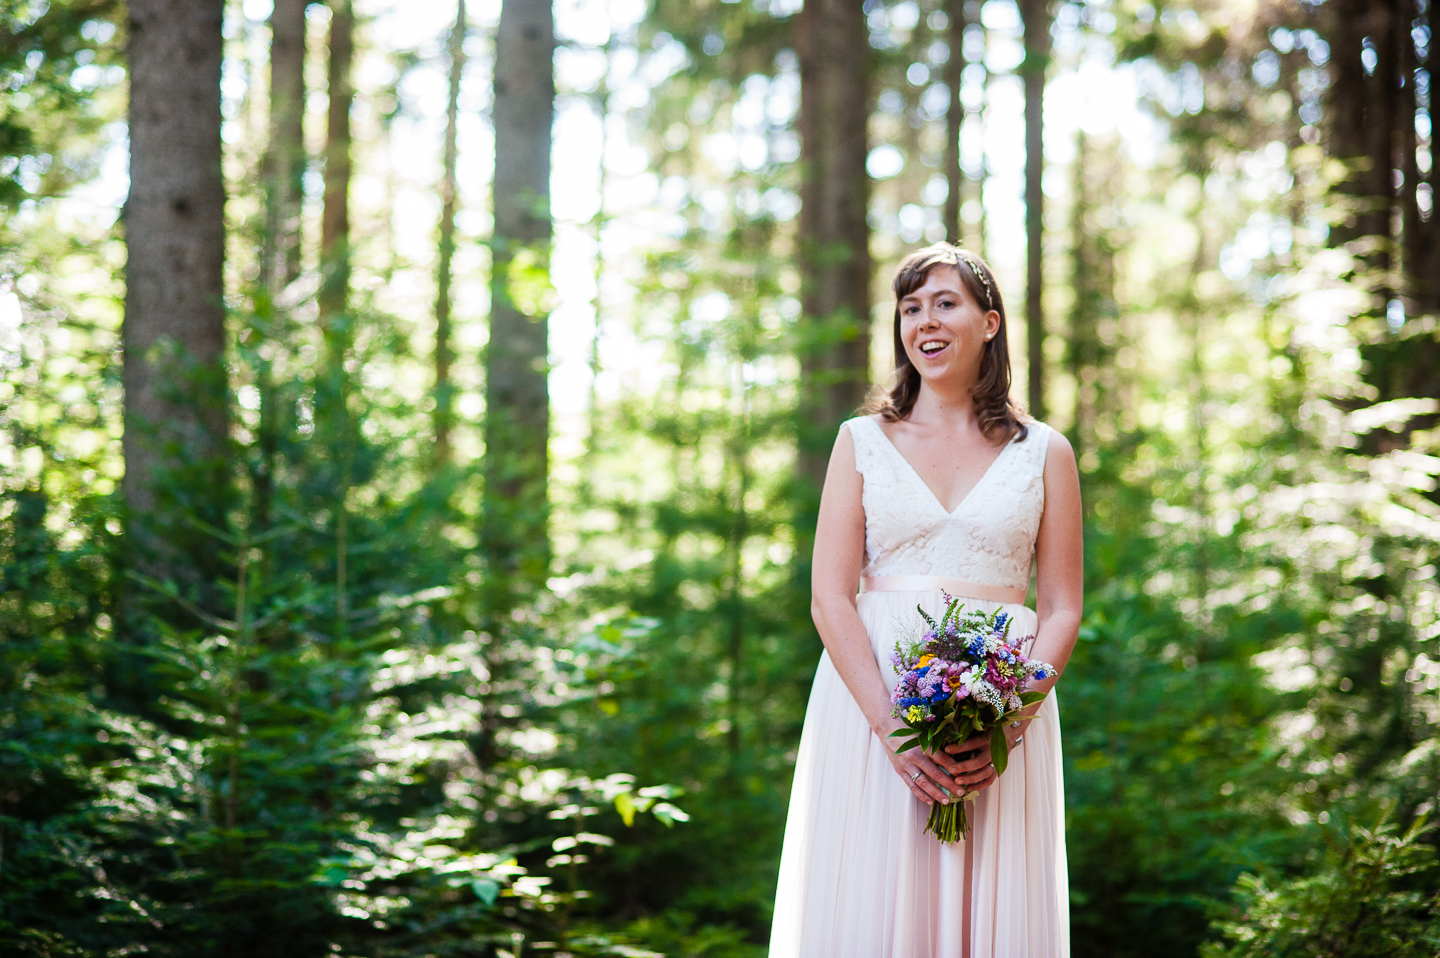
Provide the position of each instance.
(412, 416)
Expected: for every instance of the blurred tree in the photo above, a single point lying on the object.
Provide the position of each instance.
(174, 331)
(1094, 334)
(332, 400)
(285, 160)
(282, 180)
(1036, 16)
(40, 49)
(953, 75)
(833, 245)
(444, 352)
(517, 404)
(514, 536)
(334, 295)
(1373, 897)
(1380, 59)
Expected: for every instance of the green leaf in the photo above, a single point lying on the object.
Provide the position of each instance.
(486, 889)
(669, 814)
(999, 750)
(1031, 697)
(907, 746)
(625, 805)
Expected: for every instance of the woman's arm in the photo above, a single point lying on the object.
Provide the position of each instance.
(1059, 561)
(839, 557)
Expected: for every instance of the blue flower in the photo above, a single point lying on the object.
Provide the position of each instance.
(1040, 674)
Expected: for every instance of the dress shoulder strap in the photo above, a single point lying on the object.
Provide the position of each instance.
(863, 434)
(1037, 443)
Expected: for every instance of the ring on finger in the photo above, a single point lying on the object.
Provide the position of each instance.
(916, 777)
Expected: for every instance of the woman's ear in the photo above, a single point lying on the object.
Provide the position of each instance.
(992, 325)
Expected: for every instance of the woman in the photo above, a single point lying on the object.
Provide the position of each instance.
(945, 485)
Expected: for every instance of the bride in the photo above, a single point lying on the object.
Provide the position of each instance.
(946, 485)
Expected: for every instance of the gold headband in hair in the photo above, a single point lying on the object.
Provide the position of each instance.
(974, 265)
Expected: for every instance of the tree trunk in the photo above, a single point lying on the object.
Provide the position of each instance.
(174, 329)
(834, 251)
(333, 300)
(1094, 318)
(1382, 105)
(954, 121)
(1430, 248)
(285, 157)
(283, 182)
(335, 218)
(444, 356)
(517, 408)
(1036, 17)
(602, 110)
(1418, 285)
(1347, 111)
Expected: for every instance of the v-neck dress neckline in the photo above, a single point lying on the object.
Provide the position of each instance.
(915, 474)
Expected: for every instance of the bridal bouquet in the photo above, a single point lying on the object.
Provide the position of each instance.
(961, 677)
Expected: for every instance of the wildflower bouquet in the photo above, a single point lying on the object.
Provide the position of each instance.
(961, 677)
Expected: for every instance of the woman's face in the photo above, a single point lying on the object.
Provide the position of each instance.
(945, 330)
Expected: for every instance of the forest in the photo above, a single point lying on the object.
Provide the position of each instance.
(413, 415)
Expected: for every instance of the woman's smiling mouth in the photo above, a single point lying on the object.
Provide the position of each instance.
(932, 347)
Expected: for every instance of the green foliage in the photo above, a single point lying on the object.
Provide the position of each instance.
(1373, 895)
(324, 741)
(59, 66)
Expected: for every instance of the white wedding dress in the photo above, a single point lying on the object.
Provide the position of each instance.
(859, 878)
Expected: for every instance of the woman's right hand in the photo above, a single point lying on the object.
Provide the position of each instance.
(925, 775)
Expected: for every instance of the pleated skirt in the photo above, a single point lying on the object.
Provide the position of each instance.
(859, 878)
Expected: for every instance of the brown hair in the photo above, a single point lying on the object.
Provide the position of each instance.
(994, 407)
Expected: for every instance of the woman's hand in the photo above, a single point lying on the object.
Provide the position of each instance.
(974, 769)
(924, 774)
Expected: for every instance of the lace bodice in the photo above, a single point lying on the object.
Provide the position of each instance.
(989, 538)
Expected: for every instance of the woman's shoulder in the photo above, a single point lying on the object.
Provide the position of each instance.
(860, 422)
(1047, 443)
(1041, 441)
(862, 429)
(867, 440)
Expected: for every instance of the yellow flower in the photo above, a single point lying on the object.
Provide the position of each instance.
(924, 661)
(914, 713)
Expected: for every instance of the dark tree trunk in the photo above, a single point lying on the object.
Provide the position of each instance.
(174, 329)
(335, 218)
(517, 408)
(285, 157)
(1430, 247)
(444, 355)
(1382, 105)
(954, 121)
(333, 300)
(1094, 318)
(1036, 17)
(282, 180)
(1421, 285)
(1372, 129)
(1350, 115)
(834, 239)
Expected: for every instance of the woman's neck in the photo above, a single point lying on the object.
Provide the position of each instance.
(953, 408)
